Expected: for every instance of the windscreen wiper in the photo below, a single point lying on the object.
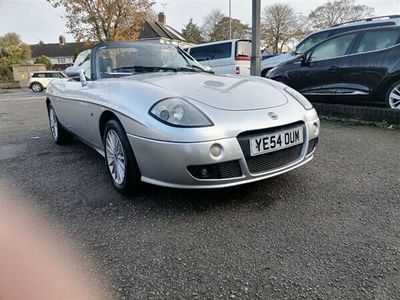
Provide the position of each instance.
(144, 69)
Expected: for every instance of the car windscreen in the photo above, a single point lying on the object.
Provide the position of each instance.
(136, 58)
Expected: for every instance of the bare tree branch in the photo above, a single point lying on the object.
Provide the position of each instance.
(338, 11)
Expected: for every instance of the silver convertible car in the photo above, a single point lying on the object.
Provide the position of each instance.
(158, 116)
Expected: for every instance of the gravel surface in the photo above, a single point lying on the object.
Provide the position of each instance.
(328, 230)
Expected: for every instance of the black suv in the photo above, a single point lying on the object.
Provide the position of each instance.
(363, 64)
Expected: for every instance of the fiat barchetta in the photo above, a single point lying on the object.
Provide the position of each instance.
(158, 116)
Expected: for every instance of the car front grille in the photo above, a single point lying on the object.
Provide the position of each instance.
(272, 160)
(269, 161)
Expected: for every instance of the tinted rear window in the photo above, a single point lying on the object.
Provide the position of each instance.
(377, 40)
(217, 51)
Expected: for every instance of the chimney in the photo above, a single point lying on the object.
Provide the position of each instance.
(161, 18)
(61, 39)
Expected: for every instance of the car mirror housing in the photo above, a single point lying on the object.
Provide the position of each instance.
(76, 72)
(304, 61)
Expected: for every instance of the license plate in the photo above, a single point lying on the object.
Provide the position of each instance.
(276, 141)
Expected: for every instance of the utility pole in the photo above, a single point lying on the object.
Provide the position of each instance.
(230, 19)
(255, 67)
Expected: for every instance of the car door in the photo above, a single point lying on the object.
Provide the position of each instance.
(74, 99)
(370, 61)
(320, 71)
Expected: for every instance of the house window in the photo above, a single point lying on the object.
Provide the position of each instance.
(61, 60)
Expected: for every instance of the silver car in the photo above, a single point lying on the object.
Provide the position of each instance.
(158, 116)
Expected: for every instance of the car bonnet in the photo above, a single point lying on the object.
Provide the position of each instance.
(219, 91)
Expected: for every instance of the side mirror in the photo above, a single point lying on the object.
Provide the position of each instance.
(304, 60)
(76, 72)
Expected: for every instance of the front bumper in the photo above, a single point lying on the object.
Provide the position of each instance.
(166, 163)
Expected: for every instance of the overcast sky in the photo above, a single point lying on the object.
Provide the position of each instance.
(36, 20)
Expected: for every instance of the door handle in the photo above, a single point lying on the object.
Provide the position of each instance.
(332, 68)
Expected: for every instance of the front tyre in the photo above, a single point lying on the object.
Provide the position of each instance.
(120, 160)
(59, 134)
(393, 96)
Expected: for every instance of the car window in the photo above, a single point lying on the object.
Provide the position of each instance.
(332, 48)
(217, 51)
(58, 75)
(376, 40)
(243, 49)
(311, 41)
(41, 75)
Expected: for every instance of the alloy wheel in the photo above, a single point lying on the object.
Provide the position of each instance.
(36, 87)
(115, 157)
(53, 123)
(394, 98)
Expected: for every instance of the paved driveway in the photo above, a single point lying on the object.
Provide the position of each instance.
(328, 230)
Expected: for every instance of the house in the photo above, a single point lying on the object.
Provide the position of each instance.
(61, 54)
(163, 33)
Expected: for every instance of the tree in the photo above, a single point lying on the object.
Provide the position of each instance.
(13, 50)
(221, 30)
(338, 11)
(43, 59)
(191, 32)
(105, 20)
(210, 22)
(280, 24)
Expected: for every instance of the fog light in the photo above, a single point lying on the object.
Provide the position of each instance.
(315, 127)
(216, 150)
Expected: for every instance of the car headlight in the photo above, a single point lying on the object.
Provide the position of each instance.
(178, 112)
(299, 97)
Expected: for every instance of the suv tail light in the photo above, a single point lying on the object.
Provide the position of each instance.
(242, 58)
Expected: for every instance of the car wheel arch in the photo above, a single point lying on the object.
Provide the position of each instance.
(264, 72)
(386, 85)
(106, 116)
(35, 82)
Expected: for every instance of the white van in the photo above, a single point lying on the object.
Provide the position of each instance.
(224, 57)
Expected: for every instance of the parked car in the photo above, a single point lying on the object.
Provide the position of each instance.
(224, 57)
(317, 37)
(40, 80)
(157, 116)
(362, 65)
